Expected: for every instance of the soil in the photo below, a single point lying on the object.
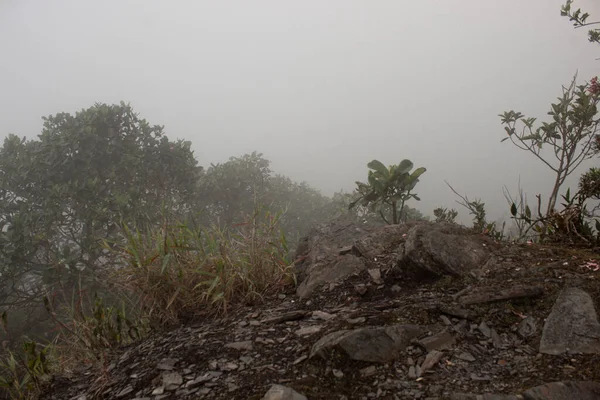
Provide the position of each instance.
(241, 355)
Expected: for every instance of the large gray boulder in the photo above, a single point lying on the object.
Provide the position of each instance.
(342, 248)
(337, 250)
(373, 344)
(572, 326)
(440, 249)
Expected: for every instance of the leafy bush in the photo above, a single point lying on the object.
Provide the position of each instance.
(388, 189)
(445, 215)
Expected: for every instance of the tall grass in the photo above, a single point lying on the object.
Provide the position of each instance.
(179, 269)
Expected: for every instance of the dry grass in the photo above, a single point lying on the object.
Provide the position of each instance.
(181, 268)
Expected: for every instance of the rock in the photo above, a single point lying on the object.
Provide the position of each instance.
(572, 325)
(290, 316)
(171, 380)
(432, 358)
(564, 391)
(378, 241)
(279, 392)
(528, 327)
(329, 272)
(309, 330)
(246, 345)
(368, 371)
(485, 329)
(412, 373)
(454, 311)
(491, 294)
(479, 378)
(322, 315)
(496, 339)
(372, 344)
(486, 396)
(375, 274)
(356, 321)
(441, 340)
(465, 357)
(440, 249)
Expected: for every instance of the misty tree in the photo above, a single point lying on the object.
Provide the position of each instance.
(388, 189)
(231, 190)
(65, 192)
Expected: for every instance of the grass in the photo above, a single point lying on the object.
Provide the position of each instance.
(179, 269)
(161, 276)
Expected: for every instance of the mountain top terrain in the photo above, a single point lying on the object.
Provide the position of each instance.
(410, 311)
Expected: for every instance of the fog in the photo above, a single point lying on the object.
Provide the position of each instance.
(320, 88)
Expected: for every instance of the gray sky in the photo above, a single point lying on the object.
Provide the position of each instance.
(320, 87)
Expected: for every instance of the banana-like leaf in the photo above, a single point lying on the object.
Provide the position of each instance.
(404, 166)
(418, 172)
(379, 167)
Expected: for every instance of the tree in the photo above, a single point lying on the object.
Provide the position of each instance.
(65, 192)
(571, 134)
(388, 188)
(230, 190)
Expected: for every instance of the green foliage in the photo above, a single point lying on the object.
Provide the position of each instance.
(477, 210)
(64, 192)
(579, 20)
(229, 191)
(570, 134)
(91, 332)
(388, 188)
(573, 224)
(589, 184)
(23, 372)
(445, 215)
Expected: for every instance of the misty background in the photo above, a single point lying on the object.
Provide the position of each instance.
(320, 88)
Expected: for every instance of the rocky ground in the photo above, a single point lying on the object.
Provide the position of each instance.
(418, 311)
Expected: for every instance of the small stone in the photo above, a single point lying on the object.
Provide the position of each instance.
(465, 357)
(322, 315)
(412, 374)
(309, 330)
(483, 328)
(476, 377)
(279, 392)
(527, 327)
(232, 387)
(300, 359)
(354, 321)
(158, 391)
(496, 340)
(375, 275)
(337, 373)
(441, 340)
(230, 366)
(246, 345)
(432, 358)
(368, 371)
(246, 360)
(396, 289)
(171, 380)
(360, 289)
